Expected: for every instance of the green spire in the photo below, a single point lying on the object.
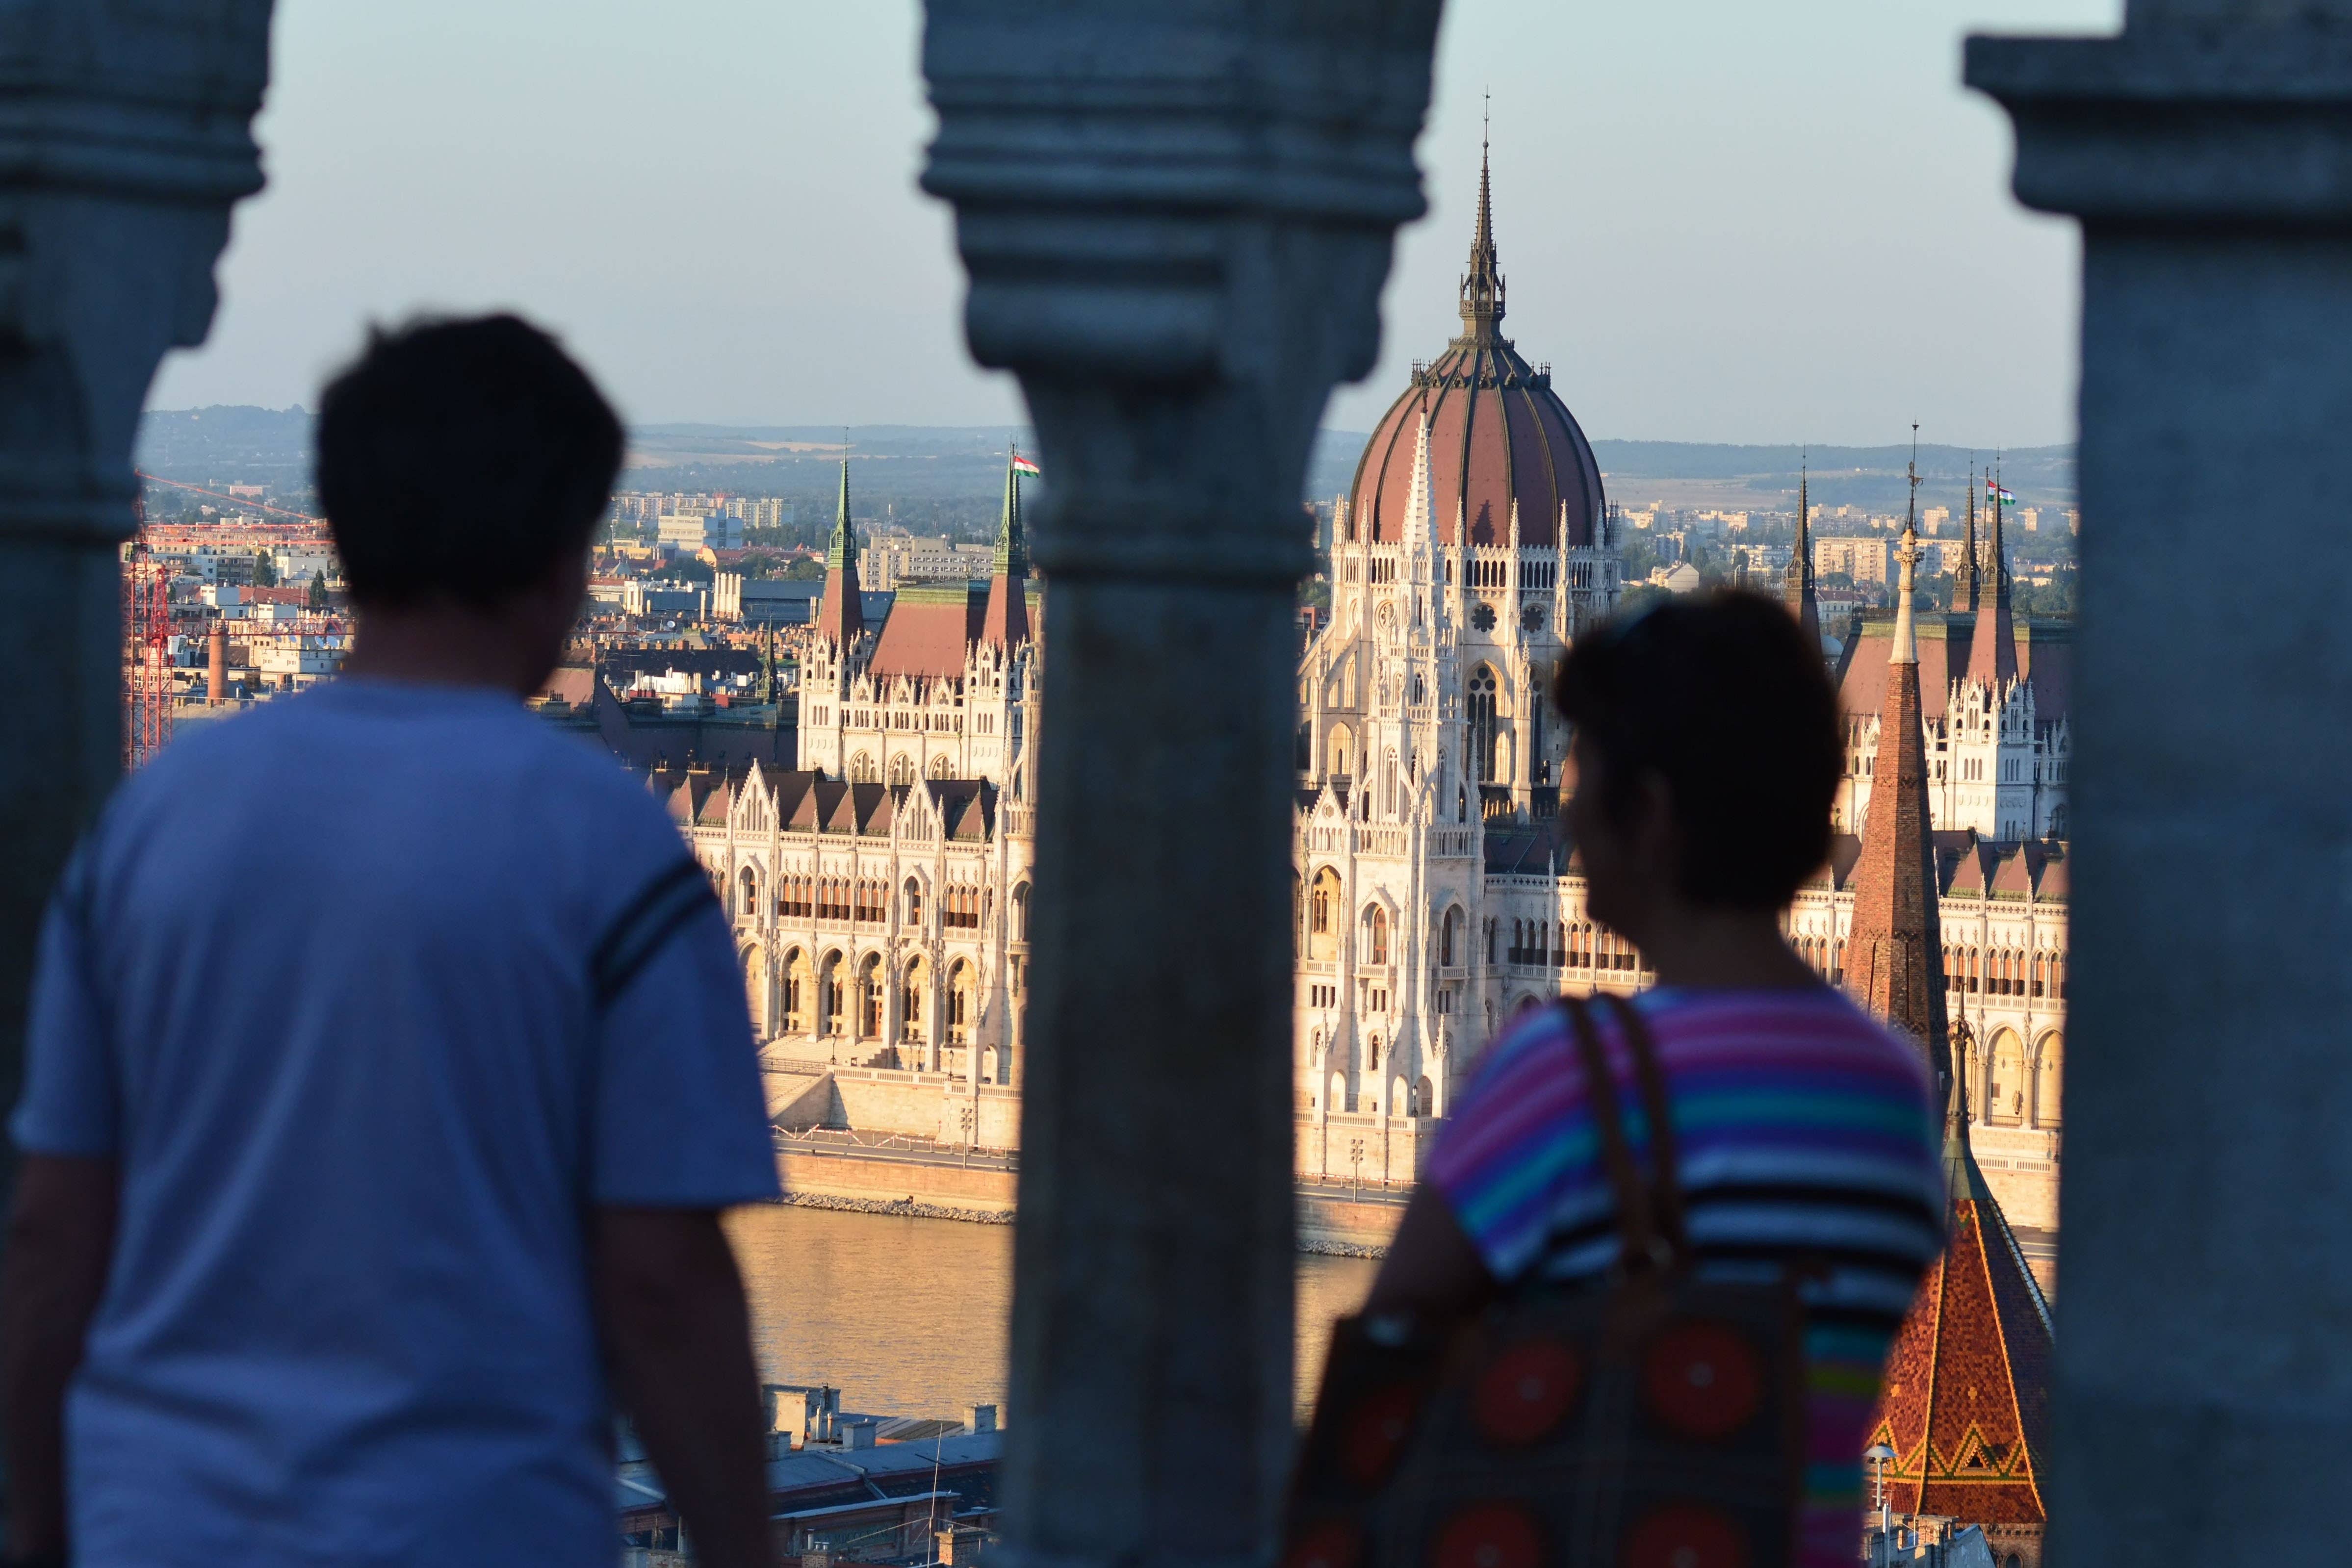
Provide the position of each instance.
(1012, 546)
(843, 551)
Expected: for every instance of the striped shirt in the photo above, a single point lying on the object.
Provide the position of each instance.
(1801, 1127)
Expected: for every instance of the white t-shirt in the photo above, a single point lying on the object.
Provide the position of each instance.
(372, 994)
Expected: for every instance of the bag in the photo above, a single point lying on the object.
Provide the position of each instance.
(1651, 1421)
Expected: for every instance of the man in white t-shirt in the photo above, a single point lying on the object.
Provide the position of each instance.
(389, 1068)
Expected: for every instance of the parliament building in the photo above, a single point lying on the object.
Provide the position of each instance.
(881, 889)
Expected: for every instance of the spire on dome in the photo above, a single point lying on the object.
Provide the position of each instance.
(1482, 286)
(1992, 650)
(1802, 603)
(1005, 622)
(843, 614)
(1421, 503)
(1894, 956)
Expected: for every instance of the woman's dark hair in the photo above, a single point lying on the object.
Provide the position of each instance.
(1718, 695)
(459, 459)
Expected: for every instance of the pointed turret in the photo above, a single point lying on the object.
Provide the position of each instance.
(1803, 604)
(1005, 622)
(1965, 1404)
(1964, 577)
(1992, 652)
(1482, 286)
(1894, 952)
(843, 614)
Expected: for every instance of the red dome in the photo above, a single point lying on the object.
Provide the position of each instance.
(1497, 434)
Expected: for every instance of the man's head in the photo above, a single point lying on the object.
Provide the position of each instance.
(463, 464)
(1707, 751)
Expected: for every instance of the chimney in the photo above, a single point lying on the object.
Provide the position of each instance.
(979, 1417)
(216, 664)
(859, 1434)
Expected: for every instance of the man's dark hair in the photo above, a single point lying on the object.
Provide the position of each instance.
(1719, 696)
(460, 459)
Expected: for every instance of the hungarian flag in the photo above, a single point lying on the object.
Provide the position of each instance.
(1023, 466)
(1996, 493)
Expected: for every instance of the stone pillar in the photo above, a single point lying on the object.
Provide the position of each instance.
(2203, 1386)
(1177, 217)
(124, 144)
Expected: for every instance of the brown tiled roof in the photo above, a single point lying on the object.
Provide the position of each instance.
(967, 808)
(2055, 882)
(1523, 848)
(927, 631)
(1943, 653)
(1966, 1400)
(574, 684)
(2045, 656)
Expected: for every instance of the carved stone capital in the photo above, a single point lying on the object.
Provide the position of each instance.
(125, 139)
(2181, 121)
(1177, 220)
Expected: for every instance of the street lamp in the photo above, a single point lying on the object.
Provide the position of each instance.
(1879, 1453)
(1356, 1159)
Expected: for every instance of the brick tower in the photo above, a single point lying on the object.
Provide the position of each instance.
(1894, 954)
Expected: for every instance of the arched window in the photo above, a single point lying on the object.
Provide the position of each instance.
(1339, 753)
(1372, 1062)
(870, 992)
(833, 998)
(1376, 934)
(747, 884)
(1449, 937)
(902, 769)
(861, 768)
(1560, 944)
(1483, 710)
(2005, 1081)
(912, 983)
(2058, 975)
(912, 900)
(960, 1007)
(942, 767)
(1020, 912)
(796, 992)
(2049, 1080)
(1322, 916)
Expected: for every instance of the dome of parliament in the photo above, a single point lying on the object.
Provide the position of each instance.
(1499, 436)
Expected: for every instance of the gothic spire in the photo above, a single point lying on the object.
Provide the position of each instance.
(1005, 622)
(1992, 650)
(1799, 590)
(1964, 579)
(1893, 959)
(843, 615)
(1482, 286)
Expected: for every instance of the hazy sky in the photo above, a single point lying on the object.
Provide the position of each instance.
(1720, 221)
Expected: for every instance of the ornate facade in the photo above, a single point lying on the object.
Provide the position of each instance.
(880, 891)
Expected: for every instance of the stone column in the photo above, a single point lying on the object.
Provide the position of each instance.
(123, 143)
(1176, 217)
(2203, 1386)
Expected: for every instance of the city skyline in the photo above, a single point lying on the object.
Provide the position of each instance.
(1808, 229)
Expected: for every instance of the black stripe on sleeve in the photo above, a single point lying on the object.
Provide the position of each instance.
(651, 919)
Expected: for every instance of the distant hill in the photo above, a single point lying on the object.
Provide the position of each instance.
(949, 476)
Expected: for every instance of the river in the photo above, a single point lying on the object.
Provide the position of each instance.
(908, 1317)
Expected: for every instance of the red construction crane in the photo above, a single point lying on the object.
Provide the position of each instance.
(147, 694)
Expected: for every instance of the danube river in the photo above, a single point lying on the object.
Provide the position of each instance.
(908, 1317)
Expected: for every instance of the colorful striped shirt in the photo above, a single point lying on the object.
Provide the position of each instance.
(1802, 1128)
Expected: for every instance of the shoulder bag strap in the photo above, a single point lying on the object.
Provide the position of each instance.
(1635, 1230)
(1666, 1188)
